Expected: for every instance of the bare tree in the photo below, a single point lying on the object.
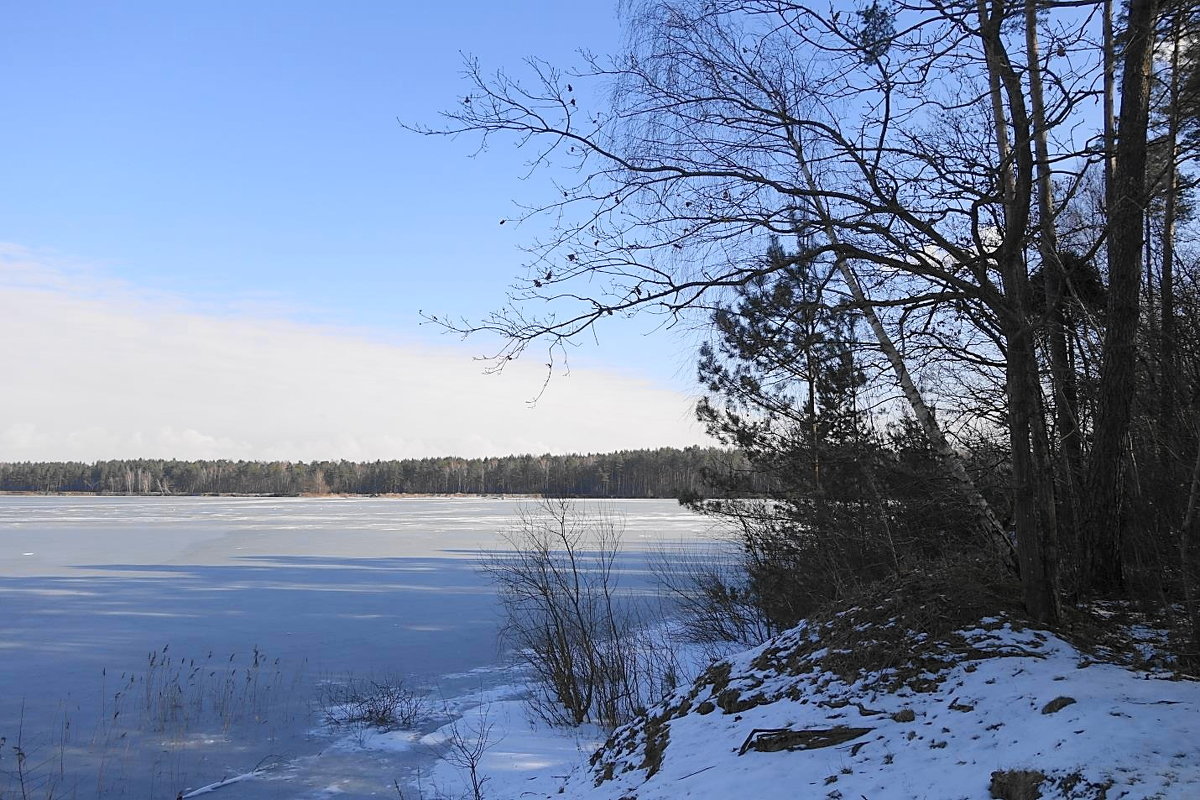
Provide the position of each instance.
(900, 132)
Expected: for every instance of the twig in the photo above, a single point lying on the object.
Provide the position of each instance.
(697, 772)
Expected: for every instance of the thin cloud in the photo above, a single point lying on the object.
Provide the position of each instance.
(97, 369)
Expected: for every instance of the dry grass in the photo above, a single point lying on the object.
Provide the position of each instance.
(901, 628)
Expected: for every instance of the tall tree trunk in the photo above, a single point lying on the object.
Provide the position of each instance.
(1166, 293)
(1110, 101)
(1103, 567)
(1066, 403)
(1032, 481)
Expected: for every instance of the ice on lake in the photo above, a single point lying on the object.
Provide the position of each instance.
(150, 646)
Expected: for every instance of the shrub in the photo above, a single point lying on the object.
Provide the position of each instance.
(386, 704)
(590, 655)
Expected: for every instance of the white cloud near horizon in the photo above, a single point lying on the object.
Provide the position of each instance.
(94, 369)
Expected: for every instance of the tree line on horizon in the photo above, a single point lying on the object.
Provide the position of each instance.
(651, 473)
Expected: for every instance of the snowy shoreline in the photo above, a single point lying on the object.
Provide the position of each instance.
(1021, 708)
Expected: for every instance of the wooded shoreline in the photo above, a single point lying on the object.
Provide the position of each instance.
(658, 473)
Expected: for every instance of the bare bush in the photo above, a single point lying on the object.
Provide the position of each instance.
(385, 703)
(467, 743)
(712, 592)
(590, 654)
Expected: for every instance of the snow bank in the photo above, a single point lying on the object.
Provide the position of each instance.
(996, 699)
(852, 709)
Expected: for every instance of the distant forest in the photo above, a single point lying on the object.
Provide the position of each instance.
(665, 472)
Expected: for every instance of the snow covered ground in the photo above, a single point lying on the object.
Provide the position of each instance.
(517, 756)
(1016, 706)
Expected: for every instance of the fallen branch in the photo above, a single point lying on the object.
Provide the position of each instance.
(262, 768)
(772, 740)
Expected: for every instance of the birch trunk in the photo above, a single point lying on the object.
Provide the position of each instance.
(987, 525)
(1066, 404)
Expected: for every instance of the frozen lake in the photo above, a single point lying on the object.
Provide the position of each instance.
(234, 610)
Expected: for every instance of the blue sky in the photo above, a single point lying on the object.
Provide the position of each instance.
(241, 164)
